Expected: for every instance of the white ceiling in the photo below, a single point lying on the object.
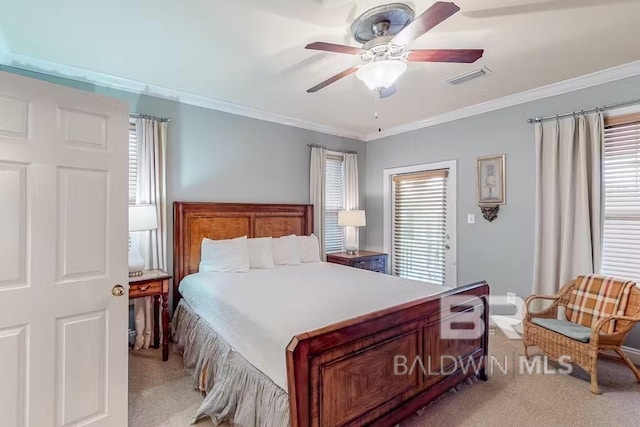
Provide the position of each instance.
(251, 52)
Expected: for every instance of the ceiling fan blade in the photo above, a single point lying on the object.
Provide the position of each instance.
(388, 91)
(466, 56)
(333, 79)
(332, 47)
(423, 23)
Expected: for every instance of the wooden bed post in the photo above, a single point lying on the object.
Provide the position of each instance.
(485, 338)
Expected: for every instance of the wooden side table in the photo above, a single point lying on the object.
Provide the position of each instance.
(154, 283)
(366, 260)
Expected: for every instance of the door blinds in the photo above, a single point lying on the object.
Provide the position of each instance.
(420, 226)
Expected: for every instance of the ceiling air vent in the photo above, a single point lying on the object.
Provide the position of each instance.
(469, 76)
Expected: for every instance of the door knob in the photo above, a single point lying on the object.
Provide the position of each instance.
(117, 291)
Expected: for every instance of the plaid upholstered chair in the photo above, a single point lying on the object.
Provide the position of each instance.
(599, 314)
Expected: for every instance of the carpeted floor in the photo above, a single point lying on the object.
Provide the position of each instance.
(160, 394)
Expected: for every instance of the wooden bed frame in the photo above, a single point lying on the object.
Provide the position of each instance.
(352, 372)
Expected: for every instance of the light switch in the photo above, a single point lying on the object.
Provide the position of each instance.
(471, 218)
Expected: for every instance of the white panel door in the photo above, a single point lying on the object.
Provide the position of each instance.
(63, 247)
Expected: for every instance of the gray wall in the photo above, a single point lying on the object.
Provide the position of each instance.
(214, 156)
(219, 157)
(500, 252)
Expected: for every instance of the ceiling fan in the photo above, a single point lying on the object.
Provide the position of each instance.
(385, 31)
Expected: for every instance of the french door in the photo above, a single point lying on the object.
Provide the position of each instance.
(421, 226)
(63, 247)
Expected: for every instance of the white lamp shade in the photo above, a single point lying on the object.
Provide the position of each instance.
(142, 218)
(354, 218)
(381, 74)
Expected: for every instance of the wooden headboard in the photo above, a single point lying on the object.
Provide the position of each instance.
(192, 222)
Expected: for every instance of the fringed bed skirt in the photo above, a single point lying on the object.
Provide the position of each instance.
(234, 390)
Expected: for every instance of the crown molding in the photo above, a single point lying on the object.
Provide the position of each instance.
(92, 77)
(599, 77)
(129, 85)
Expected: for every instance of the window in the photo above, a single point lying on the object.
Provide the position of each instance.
(621, 170)
(334, 202)
(133, 162)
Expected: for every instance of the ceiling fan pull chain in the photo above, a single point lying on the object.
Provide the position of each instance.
(376, 103)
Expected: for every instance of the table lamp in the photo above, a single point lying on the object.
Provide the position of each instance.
(351, 220)
(141, 218)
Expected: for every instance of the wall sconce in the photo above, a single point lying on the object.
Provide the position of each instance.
(490, 212)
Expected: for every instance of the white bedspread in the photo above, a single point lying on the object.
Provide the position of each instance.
(258, 312)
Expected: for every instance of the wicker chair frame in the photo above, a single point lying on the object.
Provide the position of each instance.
(585, 355)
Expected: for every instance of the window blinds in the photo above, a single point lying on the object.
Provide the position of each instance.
(419, 226)
(621, 170)
(133, 162)
(334, 202)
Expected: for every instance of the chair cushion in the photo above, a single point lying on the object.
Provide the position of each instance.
(502, 309)
(564, 327)
(597, 297)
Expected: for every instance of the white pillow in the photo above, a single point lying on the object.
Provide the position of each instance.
(260, 252)
(309, 248)
(285, 250)
(230, 255)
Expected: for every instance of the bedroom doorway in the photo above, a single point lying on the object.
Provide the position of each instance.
(420, 222)
(63, 274)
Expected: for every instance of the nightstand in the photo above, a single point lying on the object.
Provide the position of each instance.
(366, 260)
(155, 283)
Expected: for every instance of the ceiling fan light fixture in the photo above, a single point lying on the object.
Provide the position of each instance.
(380, 75)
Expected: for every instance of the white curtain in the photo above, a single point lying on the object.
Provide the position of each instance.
(317, 180)
(351, 196)
(151, 189)
(569, 200)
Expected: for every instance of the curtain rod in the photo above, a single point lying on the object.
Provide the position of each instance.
(146, 116)
(582, 112)
(332, 149)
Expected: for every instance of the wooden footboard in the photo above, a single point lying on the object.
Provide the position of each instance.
(379, 368)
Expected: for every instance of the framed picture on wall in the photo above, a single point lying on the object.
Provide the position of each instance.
(491, 182)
